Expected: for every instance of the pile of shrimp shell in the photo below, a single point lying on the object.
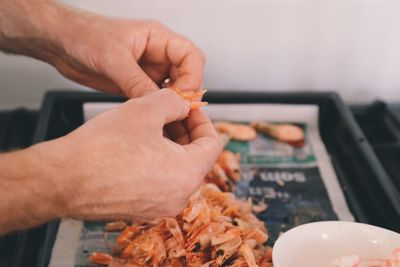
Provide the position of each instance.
(215, 229)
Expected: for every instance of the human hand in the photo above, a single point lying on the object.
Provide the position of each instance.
(115, 55)
(120, 166)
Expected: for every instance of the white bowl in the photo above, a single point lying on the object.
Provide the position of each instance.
(318, 244)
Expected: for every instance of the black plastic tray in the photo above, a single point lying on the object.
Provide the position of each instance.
(380, 123)
(16, 132)
(369, 192)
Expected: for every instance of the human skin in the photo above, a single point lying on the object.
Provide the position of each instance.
(114, 167)
(111, 54)
(119, 165)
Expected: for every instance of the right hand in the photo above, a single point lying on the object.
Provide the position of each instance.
(119, 165)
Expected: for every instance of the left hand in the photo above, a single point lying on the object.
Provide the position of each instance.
(115, 55)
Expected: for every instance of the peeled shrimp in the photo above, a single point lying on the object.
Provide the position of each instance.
(237, 131)
(393, 260)
(283, 132)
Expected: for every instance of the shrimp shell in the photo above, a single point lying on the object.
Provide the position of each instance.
(203, 236)
(215, 229)
(247, 253)
(197, 258)
(260, 236)
(127, 235)
(225, 237)
(225, 250)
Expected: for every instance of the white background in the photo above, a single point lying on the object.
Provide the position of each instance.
(351, 46)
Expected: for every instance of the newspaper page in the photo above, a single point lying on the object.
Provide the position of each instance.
(298, 184)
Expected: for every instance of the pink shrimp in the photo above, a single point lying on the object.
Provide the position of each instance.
(230, 163)
(115, 226)
(100, 258)
(192, 97)
(288, 133)
(218, 176)
(237, 131)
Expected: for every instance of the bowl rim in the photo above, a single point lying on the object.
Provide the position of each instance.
(295, 229)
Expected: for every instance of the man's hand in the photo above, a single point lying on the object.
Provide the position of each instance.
(114, 55)
(135, 172)
(116, 166)
(119, 165)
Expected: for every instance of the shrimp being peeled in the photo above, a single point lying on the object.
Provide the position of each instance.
(193, 97)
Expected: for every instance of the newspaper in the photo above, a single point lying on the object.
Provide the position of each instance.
(298, 184)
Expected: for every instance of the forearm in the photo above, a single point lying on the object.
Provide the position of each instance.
(29, 27)
(29, 188)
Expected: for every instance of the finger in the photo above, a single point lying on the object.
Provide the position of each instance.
(166, 107)
(166, 134)
(185, 59)
(178, 133)
(187, 70)
(189, 75)
(128, 75)
(86, 77)
(157, 72)
(205, 143)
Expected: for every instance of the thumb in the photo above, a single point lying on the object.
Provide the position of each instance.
(166, 106)
(130, 77)
(205, 143)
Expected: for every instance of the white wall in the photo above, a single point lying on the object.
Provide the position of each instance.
(352, 46)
